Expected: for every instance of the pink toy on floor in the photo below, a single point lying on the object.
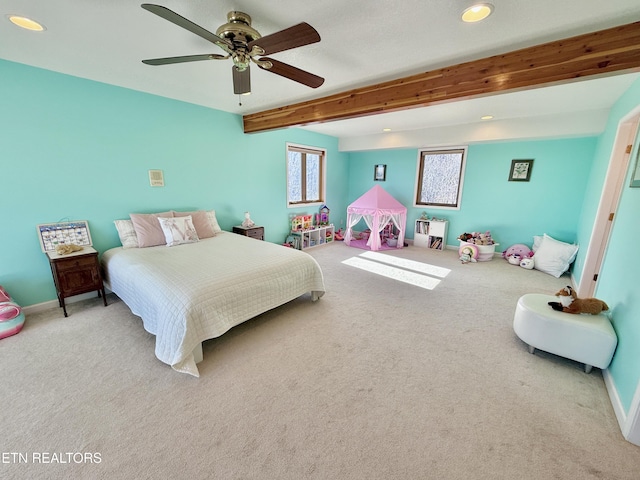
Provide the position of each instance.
(11, 316)
(516, 253)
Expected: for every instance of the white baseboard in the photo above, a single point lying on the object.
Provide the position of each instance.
(621, 415)
(41, 307)
(632, 425)
(629, 424)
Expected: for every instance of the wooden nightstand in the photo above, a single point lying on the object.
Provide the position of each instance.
(253, 232)
(76, 273)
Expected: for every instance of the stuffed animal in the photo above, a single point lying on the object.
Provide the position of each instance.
(477, 238)
(247, 222)
(468, 254)
(527, 263)
(519, 249)
(66, 249)
(570, 303)
(514, 259)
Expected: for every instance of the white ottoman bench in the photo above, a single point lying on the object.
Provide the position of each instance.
(588, 339)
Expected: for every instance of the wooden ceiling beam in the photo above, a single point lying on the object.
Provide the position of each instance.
(606, 52)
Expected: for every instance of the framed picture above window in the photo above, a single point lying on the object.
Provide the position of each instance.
(520, 170)
(380, 173)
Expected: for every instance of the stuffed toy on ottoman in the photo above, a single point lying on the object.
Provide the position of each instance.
(11, 316)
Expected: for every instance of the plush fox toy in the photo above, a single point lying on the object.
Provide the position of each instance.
(570, 303)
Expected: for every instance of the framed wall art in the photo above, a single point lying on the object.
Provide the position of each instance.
(520, 170)
(380, 173)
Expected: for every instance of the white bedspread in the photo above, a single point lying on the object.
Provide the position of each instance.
(190, 293)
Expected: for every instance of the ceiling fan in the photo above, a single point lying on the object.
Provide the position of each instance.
(243, 44)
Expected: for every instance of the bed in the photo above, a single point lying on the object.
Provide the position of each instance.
(189, 293)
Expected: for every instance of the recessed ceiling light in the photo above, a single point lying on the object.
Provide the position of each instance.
(486, 117)
(477, 12)
(386, 129)
(25, 22)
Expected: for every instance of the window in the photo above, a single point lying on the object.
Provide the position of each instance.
(305, 175)
(439, 177)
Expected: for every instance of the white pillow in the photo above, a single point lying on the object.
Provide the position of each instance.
(553, 256)
(178, 230)
(211, 214)
(127, 233)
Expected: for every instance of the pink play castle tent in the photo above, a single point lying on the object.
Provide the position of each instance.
(378, 209)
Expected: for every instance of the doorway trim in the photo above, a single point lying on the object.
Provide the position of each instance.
(609, 200)
(612, 190)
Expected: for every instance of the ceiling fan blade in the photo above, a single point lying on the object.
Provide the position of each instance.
(241, 81)
(179, 20)
(292, 37)
(291, 72)
(183, 59)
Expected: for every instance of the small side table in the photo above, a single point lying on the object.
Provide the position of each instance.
(76, 273)
(253, 232)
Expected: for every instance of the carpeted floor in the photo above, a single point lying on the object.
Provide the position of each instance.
(378, 380)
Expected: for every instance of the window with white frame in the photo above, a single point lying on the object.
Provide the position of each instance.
(439, 177)
(305, 175)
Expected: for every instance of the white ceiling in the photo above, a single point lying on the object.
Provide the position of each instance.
(363, 42)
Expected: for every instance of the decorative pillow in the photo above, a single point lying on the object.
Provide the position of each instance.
(148, 229)
(214, 221)
(178, 230)
(553, 256)
(127, 233)
(200, 219)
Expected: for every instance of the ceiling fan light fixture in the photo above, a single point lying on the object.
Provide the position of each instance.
(241, 81)
(26, 23)
(477, 12)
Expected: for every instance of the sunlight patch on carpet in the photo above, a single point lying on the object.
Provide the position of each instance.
(395, 273)
(421, 267)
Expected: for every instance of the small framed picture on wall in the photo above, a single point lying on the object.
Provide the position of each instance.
(380, 173)
(520, 170)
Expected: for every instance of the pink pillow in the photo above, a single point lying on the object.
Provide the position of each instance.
(200, 222)
(148, 228)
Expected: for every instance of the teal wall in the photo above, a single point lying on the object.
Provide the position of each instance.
(514, 212)
(561, 199)
(81, 150)
(618, 279)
